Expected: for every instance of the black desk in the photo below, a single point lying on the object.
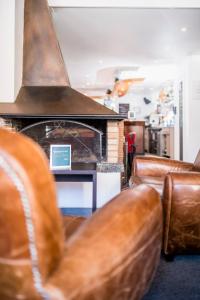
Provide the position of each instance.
(80, 173)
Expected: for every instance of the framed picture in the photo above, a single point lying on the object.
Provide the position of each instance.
(60, 157)
(123, 109)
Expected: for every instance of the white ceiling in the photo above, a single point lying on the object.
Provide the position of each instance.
(125, 3)
(96, 42)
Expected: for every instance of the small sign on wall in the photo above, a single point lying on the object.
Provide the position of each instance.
(60, 157)
(123, 109)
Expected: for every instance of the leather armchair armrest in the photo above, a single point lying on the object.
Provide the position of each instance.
(71, 224)
(144, 166)
(181, 208)
(113, 255)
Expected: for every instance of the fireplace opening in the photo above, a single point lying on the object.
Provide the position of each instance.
(107, 145)
(85, 140)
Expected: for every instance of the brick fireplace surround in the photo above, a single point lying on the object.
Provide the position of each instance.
(115, 140)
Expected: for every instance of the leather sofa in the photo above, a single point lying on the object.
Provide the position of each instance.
(112, 255)
(179, 186)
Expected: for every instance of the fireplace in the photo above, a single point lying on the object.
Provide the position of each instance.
(85, 140)
(50, 111)
(49, 107)
(96, 141)
(45, 91)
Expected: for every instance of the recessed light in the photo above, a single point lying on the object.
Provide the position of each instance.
(87, 83)
(87, 75)
(184, 29)
(100, 61)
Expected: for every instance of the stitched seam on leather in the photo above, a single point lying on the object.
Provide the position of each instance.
(7, 167)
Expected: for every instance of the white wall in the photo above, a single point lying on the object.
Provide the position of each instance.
(108, 186)
(11, 50)
(135, 99)
(19, 30)
(191, 108)
(7, 50)
(178, 81)
(79, 194)
(74, 194)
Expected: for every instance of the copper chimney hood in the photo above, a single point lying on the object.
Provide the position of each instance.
(46, 91)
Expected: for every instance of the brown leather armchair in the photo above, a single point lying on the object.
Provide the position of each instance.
(112, 255)
(181, 206)
(152, 170)
(179, 184)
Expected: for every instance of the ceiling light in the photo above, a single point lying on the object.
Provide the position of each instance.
(184, 29)
(127, 72)
(100, 62)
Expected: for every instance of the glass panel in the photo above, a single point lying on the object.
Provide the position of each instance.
(85, 141)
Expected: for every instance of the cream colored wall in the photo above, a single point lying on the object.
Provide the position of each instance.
(19, 29)
(7, 50)
(11, 50)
